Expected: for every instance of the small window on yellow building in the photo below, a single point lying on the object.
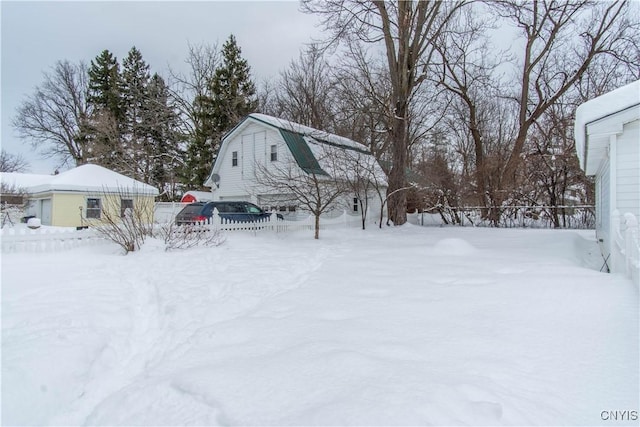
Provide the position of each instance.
(94, 207)
(124, 205)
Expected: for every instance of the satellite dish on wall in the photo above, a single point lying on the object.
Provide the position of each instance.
(216, 179)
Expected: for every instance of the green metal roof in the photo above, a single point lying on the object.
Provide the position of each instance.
(302, 153)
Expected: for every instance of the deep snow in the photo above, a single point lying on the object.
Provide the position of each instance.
(401, 326)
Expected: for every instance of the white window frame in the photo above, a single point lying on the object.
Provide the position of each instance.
(234, 159)
(93, 210)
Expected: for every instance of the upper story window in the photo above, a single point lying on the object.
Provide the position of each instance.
(234, 158)
(274, 153)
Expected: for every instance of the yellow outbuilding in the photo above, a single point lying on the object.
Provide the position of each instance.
(83, 196)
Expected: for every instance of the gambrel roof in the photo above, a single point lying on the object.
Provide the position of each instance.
(307, 145)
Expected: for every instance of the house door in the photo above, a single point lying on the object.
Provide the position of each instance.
(45, 211)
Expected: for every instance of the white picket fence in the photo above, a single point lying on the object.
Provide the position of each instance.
(45, 239)
(272, 223)
(16, 239)
(625, 247)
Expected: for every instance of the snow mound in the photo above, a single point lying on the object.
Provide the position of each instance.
(455, 247)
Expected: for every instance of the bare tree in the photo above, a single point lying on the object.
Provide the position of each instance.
(560, 42)
(363, 178)
(52, 117)
(407, 30)
(194, 85)
(12, 162)
(314, 189)
(305, 91)
(363, 96)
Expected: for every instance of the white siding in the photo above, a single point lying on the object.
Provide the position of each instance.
(603, 206)
(253, 145)
(628, 169)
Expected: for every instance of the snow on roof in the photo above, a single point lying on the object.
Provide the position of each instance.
(85, 178)
(316, 134)
(20, 181)
(346, 165)
(610, 103)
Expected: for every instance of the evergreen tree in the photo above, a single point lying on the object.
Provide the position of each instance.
(105, 85)
(235, 93)
(137, 147)
(102, 128)
(233, 96)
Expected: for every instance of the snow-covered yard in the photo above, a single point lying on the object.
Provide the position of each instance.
(401, 326)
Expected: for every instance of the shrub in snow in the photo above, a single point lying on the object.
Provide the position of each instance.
(189, 236)
(128, 227)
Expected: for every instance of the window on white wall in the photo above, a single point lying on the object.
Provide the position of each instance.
(355, 204)
(94, 207)
(274, 153)
(234, 158)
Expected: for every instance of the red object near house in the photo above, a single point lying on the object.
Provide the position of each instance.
(196, 196)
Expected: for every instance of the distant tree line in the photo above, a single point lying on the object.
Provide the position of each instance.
(121, 116)
(464, 103)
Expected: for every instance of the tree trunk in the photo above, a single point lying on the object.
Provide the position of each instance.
(397, 178)
(317, 227)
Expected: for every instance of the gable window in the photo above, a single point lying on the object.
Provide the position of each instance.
(124, 205)
(234, 158)
(274, 153)
(94, 207)
(355, 204)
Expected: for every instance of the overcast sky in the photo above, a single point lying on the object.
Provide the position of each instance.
(37, 34)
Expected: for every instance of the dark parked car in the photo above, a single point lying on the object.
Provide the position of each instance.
(235, 211)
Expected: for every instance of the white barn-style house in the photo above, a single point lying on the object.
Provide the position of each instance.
(260, 144)
(607, 133)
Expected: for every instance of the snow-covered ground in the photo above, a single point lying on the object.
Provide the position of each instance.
(401, 326)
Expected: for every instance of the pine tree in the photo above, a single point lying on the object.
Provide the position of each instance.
(102, 128)
(105, 85)
(235, 93)
(233, 96)
(135, 80)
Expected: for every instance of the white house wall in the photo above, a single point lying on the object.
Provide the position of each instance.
(603, 207)
(253, 145)
(628, 170)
